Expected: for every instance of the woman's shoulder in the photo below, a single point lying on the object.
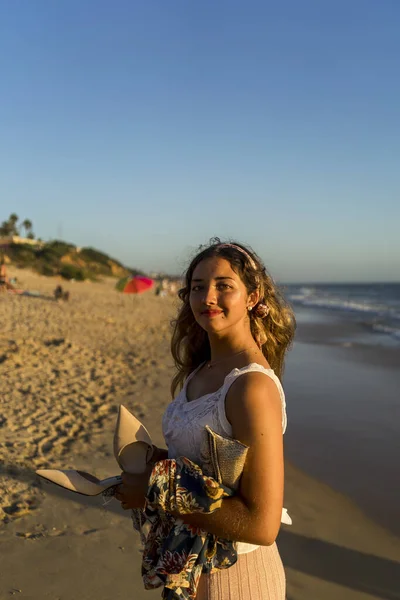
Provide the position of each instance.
(252, 372)
(253, 393)
(253, 380)
(252, 397)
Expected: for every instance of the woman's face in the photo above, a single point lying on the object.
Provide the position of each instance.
(218, 297)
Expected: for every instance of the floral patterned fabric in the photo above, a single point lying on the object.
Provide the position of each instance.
(175, 553)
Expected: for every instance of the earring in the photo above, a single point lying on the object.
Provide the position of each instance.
(249, 308)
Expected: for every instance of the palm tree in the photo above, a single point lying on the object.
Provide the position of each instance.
(12, 221)
(5, 230)
(27, 225)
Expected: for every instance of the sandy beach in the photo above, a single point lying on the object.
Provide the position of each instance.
(65, 368)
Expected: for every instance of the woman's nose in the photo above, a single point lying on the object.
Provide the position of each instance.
(209, 295)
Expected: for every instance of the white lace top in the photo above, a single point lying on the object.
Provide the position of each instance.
(184, 423)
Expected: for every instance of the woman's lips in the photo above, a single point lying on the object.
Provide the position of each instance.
(211, 313)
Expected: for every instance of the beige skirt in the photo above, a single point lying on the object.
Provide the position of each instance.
(258, 575)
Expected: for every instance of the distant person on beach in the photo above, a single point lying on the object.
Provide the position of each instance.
(229, 342)
(3, 276)
(59, 294)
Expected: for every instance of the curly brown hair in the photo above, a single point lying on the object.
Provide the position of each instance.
(274, 333)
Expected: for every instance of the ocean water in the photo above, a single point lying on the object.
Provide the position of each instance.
(376, 306)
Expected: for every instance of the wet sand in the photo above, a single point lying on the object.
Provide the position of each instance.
(65, 368)
(344, 425)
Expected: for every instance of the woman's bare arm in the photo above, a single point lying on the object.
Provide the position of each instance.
(253, 407)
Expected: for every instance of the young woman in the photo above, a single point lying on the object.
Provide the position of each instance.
(229, 342)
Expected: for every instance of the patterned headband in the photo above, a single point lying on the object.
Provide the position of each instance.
(247, 255)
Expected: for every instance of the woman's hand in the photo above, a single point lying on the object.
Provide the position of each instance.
(133, 489)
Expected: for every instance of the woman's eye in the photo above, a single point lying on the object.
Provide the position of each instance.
(223, 286)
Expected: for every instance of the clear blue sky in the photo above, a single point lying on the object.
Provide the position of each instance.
(143, 128)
